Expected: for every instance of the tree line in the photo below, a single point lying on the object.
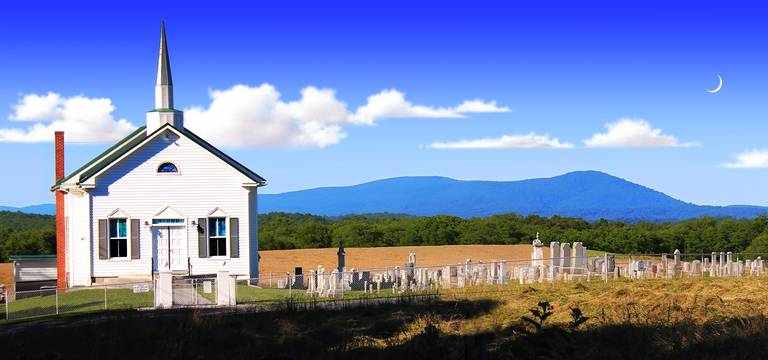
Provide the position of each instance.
(705, 234)
(26, 234)
(23, 234)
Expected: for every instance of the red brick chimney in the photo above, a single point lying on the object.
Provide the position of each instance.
(61, 271)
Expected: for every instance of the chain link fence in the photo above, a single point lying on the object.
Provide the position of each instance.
(48, 301)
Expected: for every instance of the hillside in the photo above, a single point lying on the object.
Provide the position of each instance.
(589, 195)
(42, 209)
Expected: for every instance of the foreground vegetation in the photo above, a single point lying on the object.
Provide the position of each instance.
(34, 234)
(683, 318)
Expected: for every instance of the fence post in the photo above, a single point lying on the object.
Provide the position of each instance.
(5, 296)
(57, 301)
(105, 298)
(605, 261)
(290, 286)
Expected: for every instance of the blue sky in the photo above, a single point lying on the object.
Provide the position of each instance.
(563, 71)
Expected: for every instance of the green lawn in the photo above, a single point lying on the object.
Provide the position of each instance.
(76, 300)
(211, 296)
(253, 295)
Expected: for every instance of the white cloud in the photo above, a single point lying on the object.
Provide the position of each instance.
(634, 133)
(392, 104)
(84, 119)
(750, 159)
(479, 106)
(256, 116)
(239, 116)
(531, 140)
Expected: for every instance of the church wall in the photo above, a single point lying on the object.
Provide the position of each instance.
(78, 238)
(203, 183)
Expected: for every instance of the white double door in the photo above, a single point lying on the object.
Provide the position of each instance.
(170, 248)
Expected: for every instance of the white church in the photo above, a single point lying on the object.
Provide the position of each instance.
(160, 199)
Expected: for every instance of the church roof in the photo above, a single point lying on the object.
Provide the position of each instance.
(138, 137)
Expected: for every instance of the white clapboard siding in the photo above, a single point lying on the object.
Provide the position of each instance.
(35, 270)
(78, 234)
(204, 183)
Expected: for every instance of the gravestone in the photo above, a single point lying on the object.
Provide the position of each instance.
(298, 281)
(554, 259)
(579, 258)
(565, 258)
(537, 253)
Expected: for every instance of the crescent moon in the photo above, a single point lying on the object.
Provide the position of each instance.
(719, 86)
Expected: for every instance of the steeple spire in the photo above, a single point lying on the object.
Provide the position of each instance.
(164, 85)
(164, 111)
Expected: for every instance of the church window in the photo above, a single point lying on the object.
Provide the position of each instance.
(167, 168)
(118, 238)
(217, 239)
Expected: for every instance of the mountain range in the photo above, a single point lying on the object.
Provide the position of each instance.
(589, 195)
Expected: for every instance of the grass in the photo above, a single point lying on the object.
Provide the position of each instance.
(253, 295)
(681, 318)
(211, 296)
(77, 300)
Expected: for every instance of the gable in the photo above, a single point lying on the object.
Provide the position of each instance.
(168, 213)
(136, 141)
(194, 163)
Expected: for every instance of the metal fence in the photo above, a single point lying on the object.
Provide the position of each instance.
(48, 301)
(411, 280)
(194, 291)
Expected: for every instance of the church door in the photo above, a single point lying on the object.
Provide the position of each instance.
(170, 250)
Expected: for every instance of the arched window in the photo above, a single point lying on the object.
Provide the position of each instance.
(167, 168)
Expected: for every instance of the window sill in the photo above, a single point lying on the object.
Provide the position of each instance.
(125, 259)
(218, 257)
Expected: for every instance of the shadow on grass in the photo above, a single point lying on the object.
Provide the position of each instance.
(196, 334)
(412, 330)
(743, 338)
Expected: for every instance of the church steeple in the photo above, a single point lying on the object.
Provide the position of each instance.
(164, 111)
(164, 85)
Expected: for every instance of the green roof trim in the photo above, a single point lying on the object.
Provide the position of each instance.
(32, 257)
(103, 154)
(165, 110)
(133, 140)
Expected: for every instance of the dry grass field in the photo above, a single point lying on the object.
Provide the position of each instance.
(6, 274)
(282, 261)
(691, 318)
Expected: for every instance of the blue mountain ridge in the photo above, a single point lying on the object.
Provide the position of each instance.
(590, 195)
(43, 209)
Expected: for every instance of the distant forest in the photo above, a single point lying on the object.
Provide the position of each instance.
(26, 234)
(705, 234)
(22, 234)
